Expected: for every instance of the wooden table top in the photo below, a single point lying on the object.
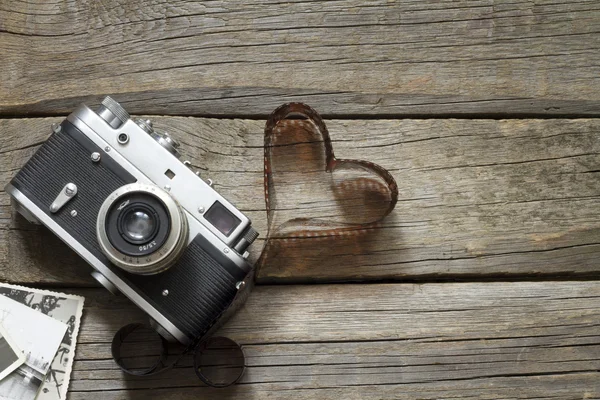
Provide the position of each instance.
(482, 283)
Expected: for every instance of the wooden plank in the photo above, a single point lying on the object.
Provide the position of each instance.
(478, 198)
(344, 57)
(479, 340)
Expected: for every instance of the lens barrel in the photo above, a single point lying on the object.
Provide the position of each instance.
(141, 229)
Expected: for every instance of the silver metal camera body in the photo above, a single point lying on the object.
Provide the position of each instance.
(116, 192)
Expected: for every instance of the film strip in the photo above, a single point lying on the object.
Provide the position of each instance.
(273, 128)
(218, 361)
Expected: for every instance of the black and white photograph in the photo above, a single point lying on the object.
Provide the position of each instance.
(39, 337)
(22, 384)
(61, 307)
(11, 357)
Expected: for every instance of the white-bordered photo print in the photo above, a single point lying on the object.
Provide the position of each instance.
(39, 337)
(65, 308)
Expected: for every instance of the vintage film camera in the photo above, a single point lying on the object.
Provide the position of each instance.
(116, 192)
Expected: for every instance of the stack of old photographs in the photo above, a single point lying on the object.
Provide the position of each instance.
(38, 331)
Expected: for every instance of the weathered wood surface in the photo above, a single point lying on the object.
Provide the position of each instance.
(344, 57)
(478, 198)
(467, 340)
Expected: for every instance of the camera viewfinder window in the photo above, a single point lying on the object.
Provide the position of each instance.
(170, 174)
(222, 219)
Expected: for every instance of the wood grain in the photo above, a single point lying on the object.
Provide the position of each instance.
(343, 57)
(478, 340)
(478, 198)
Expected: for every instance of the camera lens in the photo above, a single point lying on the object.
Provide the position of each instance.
(141, 229)
(139, 225)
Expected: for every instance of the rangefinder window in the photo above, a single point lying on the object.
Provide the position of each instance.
(222, 219)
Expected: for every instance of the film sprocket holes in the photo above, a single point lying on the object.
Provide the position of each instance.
(116, 192)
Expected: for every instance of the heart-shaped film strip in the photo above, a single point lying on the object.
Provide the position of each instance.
(317, 205)
(219, 361)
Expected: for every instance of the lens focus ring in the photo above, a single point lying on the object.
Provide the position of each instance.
(141, 229)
